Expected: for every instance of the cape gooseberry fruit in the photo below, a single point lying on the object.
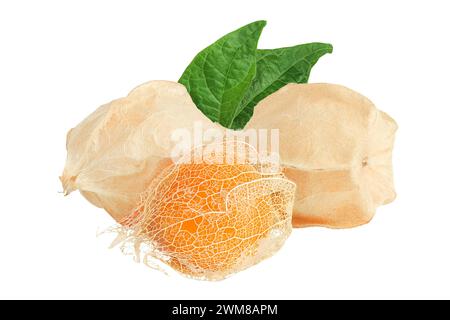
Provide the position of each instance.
(211, 219)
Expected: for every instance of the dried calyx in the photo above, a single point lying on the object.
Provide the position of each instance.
(114, 154)
(334, 143)
(337, 147)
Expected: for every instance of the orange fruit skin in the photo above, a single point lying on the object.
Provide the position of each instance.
(190, 223)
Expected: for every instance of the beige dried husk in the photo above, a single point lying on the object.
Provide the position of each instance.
(336, 146)
(114, 154)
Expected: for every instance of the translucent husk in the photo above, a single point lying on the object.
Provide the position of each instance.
(211, 219)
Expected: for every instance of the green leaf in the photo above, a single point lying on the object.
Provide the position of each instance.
(220, 75)
(276, 68)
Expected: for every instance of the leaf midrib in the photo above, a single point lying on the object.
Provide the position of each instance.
(229, 67)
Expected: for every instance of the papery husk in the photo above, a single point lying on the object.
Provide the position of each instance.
(114, 154)
(334, 144)
(337, 147)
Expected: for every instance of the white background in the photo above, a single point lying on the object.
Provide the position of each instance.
(59, 60)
